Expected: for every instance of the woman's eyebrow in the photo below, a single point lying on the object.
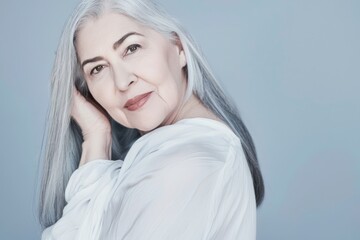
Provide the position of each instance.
(122, 39)
(95, 59)
(115, 46)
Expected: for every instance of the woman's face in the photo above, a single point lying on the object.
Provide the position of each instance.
(123, 60)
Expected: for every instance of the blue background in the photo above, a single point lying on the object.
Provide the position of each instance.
(292, 67)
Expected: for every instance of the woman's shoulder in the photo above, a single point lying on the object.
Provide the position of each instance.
(189, 131)
(188, 138)
(193, 128)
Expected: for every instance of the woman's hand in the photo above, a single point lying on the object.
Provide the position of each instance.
(90, 119)
(95, 127)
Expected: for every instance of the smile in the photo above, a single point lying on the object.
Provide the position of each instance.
(137, 102)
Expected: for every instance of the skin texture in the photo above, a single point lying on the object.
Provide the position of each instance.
(144, 62)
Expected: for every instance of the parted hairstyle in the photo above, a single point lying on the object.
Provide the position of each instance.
(61, 150)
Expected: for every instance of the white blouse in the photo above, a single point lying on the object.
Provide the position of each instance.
(189, 180)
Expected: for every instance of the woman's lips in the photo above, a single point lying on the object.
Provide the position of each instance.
(137, 102)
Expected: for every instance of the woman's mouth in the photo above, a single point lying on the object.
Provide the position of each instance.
(137, 101)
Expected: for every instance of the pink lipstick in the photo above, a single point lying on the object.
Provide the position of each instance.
(137, 101)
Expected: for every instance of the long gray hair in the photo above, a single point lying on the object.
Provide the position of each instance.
(63, 139)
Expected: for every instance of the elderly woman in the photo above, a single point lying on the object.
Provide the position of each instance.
(142, 142)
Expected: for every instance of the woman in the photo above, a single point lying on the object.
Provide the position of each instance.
(130, 85)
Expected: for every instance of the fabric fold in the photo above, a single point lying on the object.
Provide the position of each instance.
(189, 180)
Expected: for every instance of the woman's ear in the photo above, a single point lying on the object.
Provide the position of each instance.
(181, 52)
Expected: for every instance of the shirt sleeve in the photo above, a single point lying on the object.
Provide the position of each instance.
(85, 193)
(170, 195)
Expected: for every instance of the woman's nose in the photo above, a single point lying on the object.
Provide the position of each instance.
(123, 78)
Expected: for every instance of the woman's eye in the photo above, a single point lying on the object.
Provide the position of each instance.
(131, 49)
(96, 69)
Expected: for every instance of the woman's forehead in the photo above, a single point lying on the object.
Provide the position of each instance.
(109, 22)
(105, 30)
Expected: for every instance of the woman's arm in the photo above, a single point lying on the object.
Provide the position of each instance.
(191, 188)
(87, 194)
(95, 127)
(98, 146)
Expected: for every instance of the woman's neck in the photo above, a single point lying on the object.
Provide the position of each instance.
(193, 108)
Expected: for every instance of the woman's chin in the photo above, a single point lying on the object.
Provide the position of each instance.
(146, 125)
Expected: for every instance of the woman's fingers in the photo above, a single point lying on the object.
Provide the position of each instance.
(90, 119)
